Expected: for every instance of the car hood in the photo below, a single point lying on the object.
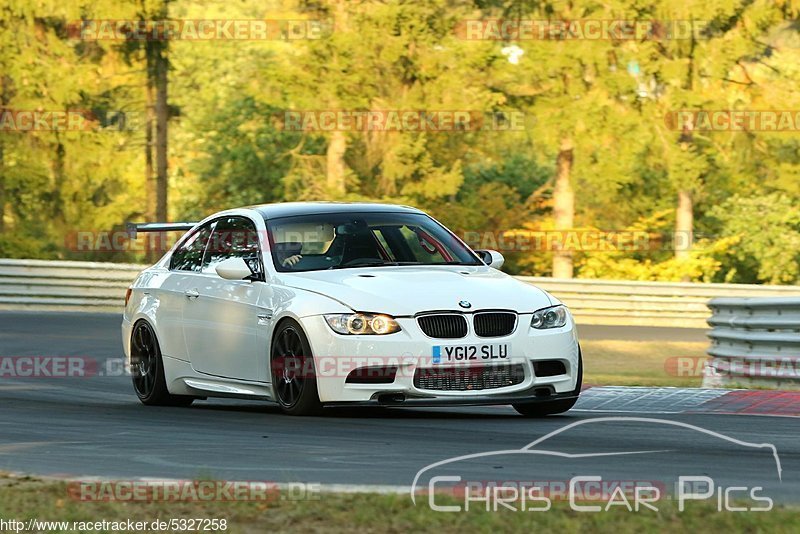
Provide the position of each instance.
(408, 290)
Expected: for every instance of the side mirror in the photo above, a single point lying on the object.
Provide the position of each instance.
(233, 269)
(492, 258)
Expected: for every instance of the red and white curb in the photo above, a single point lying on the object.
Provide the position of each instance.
(669, 400)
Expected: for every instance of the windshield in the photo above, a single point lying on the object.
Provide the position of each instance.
(350, 240)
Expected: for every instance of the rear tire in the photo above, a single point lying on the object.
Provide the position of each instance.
(147, 368)
(545, 408)
(294, 377)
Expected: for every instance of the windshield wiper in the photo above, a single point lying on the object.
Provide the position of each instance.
(364, 263)
(383, 263)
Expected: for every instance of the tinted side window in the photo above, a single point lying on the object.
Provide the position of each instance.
(234, 237)
(189, 256)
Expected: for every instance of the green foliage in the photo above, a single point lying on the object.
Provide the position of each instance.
(768, 232)
(17, 246)
(241, 161)
(608, 98)
(702, 265)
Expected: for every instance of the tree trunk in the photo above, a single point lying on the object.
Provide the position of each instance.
(157, 82)
(151, 254)
(149, 178)
(2, 189)
(684, 215)
(57, 215)
(684, 225)
(5, 81)
(337, 146)
(563, 207)
(162, 116)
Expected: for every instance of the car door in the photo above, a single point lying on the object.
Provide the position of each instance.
(225, 321)
(184, 266)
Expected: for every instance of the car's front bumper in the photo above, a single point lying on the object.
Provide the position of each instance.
(336, 355)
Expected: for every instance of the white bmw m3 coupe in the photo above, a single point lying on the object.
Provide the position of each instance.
(318, 304)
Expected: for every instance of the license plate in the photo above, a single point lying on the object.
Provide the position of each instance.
(469, 353)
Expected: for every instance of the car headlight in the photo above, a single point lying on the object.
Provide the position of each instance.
(362, 323)
(554, 317)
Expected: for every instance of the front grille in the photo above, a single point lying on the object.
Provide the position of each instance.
(494, 324)
(445, 326)
(469, 378)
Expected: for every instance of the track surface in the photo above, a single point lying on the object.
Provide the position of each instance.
(94, 426)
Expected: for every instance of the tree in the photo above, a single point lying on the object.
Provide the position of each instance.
(767, 229)
(563, 206)
(595, 154)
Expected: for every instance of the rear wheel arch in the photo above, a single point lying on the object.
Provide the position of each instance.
(147, 367)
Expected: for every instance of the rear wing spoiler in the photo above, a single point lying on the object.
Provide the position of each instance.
(134, 228)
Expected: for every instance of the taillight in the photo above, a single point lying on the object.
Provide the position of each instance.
(128, 295)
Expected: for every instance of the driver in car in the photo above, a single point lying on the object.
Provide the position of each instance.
(292, 260)
(290, 241)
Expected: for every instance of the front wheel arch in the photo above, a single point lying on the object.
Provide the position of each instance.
(285, 358)
(553, 407)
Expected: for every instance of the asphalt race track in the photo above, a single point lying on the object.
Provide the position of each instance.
(95, 427)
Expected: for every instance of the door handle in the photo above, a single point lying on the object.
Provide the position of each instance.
(264, 317)
(191, 294)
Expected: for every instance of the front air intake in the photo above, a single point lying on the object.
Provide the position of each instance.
(469, 378)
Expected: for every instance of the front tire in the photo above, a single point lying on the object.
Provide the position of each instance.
(293, 374)
(147, 368)
(543, 409)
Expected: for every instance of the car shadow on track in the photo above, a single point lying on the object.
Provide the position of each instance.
(492, 412)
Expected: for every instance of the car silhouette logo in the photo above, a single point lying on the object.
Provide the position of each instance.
(465, 304)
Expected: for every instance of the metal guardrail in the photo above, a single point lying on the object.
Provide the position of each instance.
(754, 341)
(100, 287)
(64, 285)
(620, 302)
